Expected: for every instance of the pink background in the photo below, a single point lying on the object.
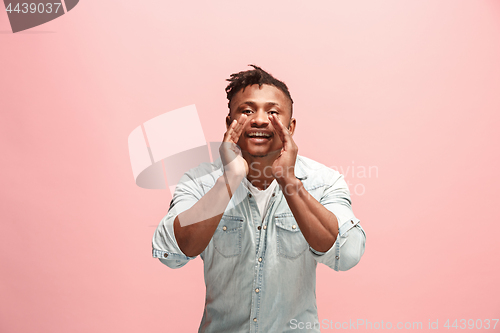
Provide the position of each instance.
(409, 87)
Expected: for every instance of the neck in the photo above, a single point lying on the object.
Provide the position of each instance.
(260, 169)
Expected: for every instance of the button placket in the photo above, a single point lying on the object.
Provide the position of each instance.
(252, 207)
(261, 248)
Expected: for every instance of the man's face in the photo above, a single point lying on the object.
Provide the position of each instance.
(258, 138)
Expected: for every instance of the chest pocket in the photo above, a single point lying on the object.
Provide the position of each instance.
(290, 241)
(227, 236)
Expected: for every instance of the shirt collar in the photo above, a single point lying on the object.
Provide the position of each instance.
(300, 173)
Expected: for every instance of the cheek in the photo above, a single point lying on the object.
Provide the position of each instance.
(277, 142)
(285, 120)
(241, 140)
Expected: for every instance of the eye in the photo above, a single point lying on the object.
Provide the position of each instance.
(273, 112)
(246, 111)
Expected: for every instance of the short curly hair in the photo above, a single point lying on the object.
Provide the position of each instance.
(241, 80)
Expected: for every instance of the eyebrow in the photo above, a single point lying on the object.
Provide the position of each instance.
(251, 103)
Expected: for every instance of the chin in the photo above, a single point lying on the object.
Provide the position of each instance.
(258, 153)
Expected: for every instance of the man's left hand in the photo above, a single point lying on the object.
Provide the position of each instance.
(283, 167)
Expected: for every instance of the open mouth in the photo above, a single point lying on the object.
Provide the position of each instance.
(259, 136)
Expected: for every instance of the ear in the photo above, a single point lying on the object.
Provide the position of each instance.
(228, 121)
(291, 126)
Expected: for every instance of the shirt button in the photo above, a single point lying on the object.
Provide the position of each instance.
(255, 319)
(265, 227)
(165, 255)
(274, 194)
(224, 228)
(257, 290)
(260, 259)
(352, 221)
(249, 195)
(337, 257)
(294, 226)
(258, 228)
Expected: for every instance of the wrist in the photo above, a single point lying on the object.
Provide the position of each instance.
(290, 184)
(231, 181)
(233, 177)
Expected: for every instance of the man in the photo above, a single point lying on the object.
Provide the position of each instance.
(261, 217)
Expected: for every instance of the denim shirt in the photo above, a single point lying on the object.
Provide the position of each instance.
(260, 274)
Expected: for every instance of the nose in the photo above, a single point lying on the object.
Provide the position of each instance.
(260, 119)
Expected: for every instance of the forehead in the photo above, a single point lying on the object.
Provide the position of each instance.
(261, 95)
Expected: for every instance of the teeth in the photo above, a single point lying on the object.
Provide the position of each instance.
(259, 134)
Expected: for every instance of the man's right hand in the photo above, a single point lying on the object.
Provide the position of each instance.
(234, 164)
(200, 221)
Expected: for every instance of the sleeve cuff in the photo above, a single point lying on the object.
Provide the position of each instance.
(345, 227)
(341, 259)
(172, 260)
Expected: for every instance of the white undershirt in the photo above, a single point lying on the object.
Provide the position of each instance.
(262, 197)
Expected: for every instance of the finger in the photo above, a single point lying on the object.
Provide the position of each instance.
(280, 129)
(241, 123)
(239, 127)
(230, 130)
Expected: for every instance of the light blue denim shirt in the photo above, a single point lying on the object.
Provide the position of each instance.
(261, 273)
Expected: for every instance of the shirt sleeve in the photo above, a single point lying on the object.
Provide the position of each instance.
(165, 246)
(349, 246)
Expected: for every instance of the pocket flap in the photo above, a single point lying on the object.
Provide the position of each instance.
(287, 221)
(230, 223)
